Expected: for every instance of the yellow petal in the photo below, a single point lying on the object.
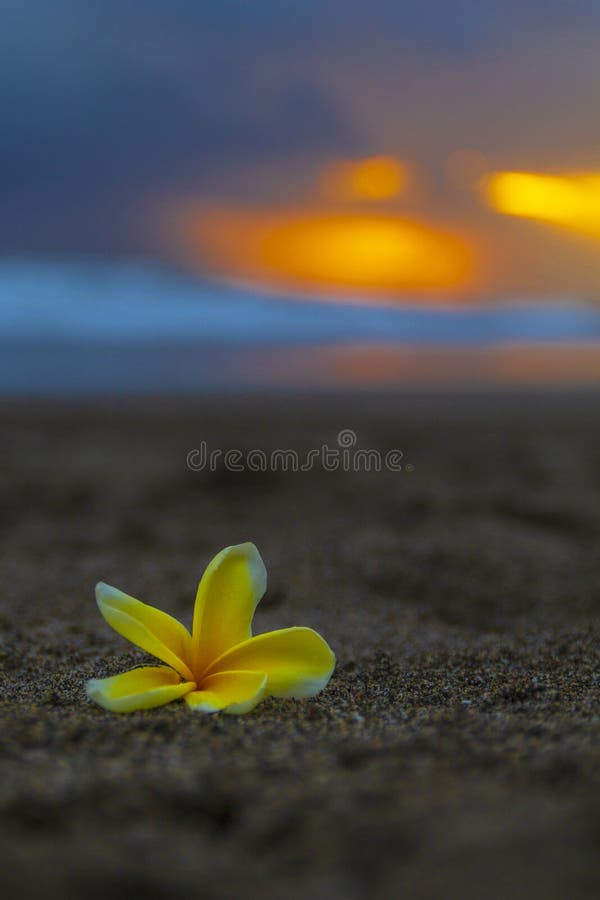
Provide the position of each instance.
(230, 588)
(232, 692)
(297, 661)
(140, 688)
(154, 631)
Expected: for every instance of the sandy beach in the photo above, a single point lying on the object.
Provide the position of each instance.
(454, 752)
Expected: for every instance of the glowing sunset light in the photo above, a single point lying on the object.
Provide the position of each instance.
(330, 253)
(569, 200)
(375, 178)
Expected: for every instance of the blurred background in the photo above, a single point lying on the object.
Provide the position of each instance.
(213, 196)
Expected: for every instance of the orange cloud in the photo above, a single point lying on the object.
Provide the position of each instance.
(330, 253)
(375, 178)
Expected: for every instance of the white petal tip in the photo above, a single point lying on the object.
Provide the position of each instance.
(106, 592)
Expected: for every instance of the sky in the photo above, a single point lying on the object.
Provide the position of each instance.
(181, 131)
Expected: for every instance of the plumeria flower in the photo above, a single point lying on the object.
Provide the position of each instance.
(219, 666)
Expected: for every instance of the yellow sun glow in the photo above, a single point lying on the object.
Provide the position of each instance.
(569, 200)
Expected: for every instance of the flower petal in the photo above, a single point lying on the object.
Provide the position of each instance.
(297, 661)
(228, 592)
(140, 688)
(232, 692)
(151, 629)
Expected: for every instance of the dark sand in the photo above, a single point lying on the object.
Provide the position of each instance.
(453, 753)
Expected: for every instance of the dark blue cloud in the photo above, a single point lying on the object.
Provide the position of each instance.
(103, 104)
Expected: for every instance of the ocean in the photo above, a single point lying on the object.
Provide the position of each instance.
(90, 327)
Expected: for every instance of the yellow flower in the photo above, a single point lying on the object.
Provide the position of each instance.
(219, 666)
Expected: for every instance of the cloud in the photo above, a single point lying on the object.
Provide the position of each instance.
(101, 106)
(104, 104)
